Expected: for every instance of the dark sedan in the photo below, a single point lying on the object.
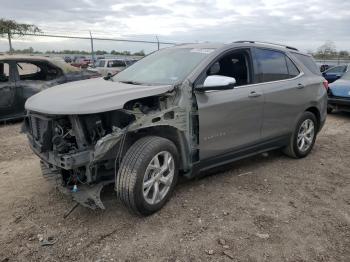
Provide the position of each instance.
(339, 94)
(335, 73)
(22, 77)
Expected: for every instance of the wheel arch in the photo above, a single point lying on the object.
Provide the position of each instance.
(173, 134)
(314, 110)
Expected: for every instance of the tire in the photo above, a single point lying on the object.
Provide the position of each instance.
(293, 149)
(329, 110)
(138, 169)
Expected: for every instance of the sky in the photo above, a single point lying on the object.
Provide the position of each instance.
(305, 24)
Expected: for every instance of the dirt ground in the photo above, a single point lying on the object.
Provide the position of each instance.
(266, 208)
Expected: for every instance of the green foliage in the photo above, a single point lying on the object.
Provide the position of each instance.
(11, 27)
(30, 50)
(140, 53)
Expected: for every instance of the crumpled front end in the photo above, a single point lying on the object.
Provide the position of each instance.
(67, 148)
(83, 152)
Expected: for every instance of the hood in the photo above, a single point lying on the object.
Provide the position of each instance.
(340, 88)
(89, 96)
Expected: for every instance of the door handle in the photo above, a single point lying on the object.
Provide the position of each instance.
(300, 86)
(254, 94)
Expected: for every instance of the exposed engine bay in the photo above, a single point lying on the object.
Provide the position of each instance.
(83, 152)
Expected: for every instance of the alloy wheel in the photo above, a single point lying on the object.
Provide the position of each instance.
(158, 177)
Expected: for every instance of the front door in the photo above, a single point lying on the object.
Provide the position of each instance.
(7, 91)
(231, 119)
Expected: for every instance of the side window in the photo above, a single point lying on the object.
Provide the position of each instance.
(272, 64)
(308, 62)
(101, 63)
(337, 69)
(292, 69)
(28, 71)
(51, 73)
(4, 72)
(116, 63)
(236, 65)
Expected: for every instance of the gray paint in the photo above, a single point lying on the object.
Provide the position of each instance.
(89, 96)
(228, 120)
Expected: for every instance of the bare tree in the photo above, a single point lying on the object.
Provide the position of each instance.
(327, 50)
(9, 28)
(343, 54)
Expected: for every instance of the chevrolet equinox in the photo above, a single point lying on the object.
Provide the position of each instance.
(178, 111)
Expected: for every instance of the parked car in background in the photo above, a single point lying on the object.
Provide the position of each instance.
(108, 67)
(24, 76)
(82, 63)
(180, 110)
(334, 73)
(339, 94)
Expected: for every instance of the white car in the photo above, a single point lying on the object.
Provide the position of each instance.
(107, 67)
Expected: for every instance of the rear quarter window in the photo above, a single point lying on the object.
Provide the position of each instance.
(308, 62)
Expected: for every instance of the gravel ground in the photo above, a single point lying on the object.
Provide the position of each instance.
(265, 208)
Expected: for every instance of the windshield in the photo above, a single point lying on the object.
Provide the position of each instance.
(167, 66)
(346, 76)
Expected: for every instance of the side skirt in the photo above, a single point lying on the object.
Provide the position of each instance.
(239, 153)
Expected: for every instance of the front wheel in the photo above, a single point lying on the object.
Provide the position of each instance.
(147, 175)
(303, 137)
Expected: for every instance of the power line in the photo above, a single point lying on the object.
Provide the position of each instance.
(98, 38)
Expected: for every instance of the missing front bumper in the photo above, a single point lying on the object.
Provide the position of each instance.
(87, 195)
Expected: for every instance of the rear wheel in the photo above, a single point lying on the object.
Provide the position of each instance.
(147, 175)
(303, 137)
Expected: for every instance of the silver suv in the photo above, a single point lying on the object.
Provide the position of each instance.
(181, 110)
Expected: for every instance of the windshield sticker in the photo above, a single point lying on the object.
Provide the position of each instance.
(202, 50)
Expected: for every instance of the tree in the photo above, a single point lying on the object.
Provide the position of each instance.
(327, 50)
(10, 27)
(343, 54)
(140, 53)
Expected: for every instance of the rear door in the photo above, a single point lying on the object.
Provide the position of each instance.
(7, 90)
(230, 120)
(284, 91)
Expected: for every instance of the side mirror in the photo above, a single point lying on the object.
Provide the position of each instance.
(217, 82)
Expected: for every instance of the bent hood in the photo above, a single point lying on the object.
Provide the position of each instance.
(89, 96)
(340, 88)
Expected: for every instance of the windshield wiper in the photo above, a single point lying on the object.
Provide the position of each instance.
(131, 82)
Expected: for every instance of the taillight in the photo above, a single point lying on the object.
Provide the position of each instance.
(325, 84)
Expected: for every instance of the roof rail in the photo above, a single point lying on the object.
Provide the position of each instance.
(268, 43)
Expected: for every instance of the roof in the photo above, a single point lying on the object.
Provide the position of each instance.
(239, 44)
(201, 45)
(119, 59)
(66, 68)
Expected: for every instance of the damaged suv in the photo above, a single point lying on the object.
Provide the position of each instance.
(178, 111)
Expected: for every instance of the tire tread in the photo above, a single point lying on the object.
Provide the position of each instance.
(127, 174)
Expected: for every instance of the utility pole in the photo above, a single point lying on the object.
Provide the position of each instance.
(92, 48)
(10, 42)
(157, 42)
